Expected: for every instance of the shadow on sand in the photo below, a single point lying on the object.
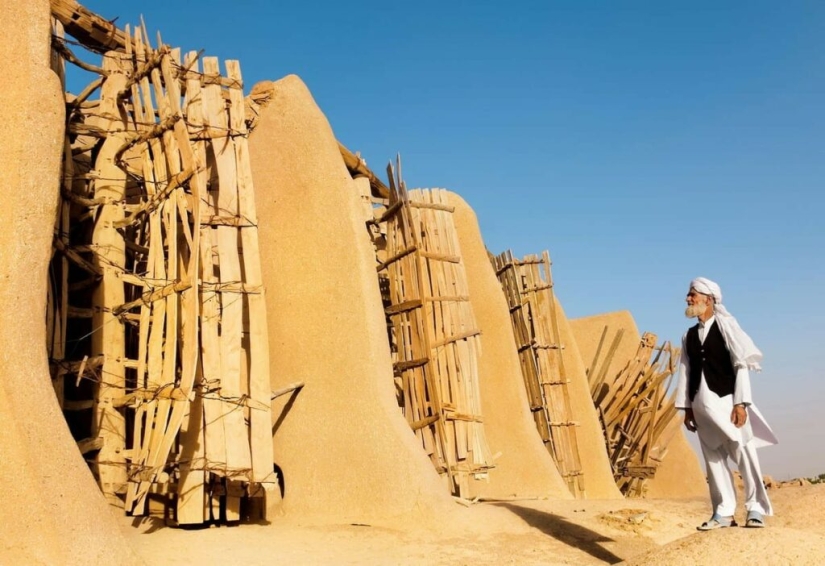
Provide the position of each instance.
(564, 531)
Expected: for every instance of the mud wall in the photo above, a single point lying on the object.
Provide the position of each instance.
(346, 452)
(51, 510)
(524, 467)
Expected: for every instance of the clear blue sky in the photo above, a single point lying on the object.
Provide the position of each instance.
(642, 143)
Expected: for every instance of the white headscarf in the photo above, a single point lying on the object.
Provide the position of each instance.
(743, 351)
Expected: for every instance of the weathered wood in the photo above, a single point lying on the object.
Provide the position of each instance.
(94, 31)
(528, 286)
(260, 435)
(238, 457)
(287, 389)
(191, 502)
(108, 340)
(434, 331)
(358, 167)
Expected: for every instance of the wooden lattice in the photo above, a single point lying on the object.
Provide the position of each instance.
(528, 287)
(157, 299)
(434, 335)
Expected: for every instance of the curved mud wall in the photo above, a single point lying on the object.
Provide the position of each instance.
(346, 452)
(51, 510)
(524, 467)
(680, 474)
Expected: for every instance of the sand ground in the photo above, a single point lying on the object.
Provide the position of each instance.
(511, 532)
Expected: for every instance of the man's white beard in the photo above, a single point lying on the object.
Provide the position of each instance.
(694, 310)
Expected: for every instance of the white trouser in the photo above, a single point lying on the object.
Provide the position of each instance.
(720, 479)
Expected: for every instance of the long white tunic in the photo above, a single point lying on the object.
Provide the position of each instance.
(712, 413)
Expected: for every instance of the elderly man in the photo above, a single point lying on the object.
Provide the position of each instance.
(714, 391)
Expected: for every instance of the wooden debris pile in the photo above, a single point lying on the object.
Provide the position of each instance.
(433, 334)
(528, 287)
(158, 348)
(636, 409)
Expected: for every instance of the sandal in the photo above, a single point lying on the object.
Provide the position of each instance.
(755, 520)
(716, 522)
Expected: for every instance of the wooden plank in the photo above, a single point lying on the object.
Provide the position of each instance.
(108, 339)
(92, 30)
(260, 436)
(162, 430)
(191, 486)
(238, 457)
(152, 320)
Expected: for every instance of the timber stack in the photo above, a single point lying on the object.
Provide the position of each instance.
(636, 408)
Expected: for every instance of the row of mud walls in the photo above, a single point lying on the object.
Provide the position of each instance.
(680, 474)
(51, 510)
(342, 445)
(344, 450)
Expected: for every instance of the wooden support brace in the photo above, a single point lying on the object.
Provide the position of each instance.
(150, 205)
(441, 257)
(406, 306)
(425, 422)
(456, 338)
(356, 166)
(66, 53)
(92, 30)
(155, 131)
(75, 258)
(153, 296)
(396, 257)
(241, 288)
(389, 213)
(288, 389)
(234, 221)
(399, 367)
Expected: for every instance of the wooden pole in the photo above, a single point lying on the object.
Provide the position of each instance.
(108, 338)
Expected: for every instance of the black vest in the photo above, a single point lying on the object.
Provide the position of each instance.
(711, 358)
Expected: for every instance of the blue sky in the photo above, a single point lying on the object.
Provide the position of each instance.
(642, 143)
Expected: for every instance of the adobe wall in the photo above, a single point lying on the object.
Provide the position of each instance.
(524, 468)
(680, 474)
(51, 510)
(346, 452)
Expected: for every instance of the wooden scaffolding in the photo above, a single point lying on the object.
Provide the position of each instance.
(636, 408)
(158, 333)
(528, 287)
(433, 333)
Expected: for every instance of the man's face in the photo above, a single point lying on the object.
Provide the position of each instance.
(697, 303)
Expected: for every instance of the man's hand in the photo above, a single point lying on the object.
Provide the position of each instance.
(739, 416)
(690, 423)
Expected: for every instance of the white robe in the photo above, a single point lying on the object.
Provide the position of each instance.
(713, 412)
(722, 440)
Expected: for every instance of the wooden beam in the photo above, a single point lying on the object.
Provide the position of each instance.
(90, 29)
(357, 167)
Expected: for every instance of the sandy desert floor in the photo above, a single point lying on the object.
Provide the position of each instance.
(518, 532)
